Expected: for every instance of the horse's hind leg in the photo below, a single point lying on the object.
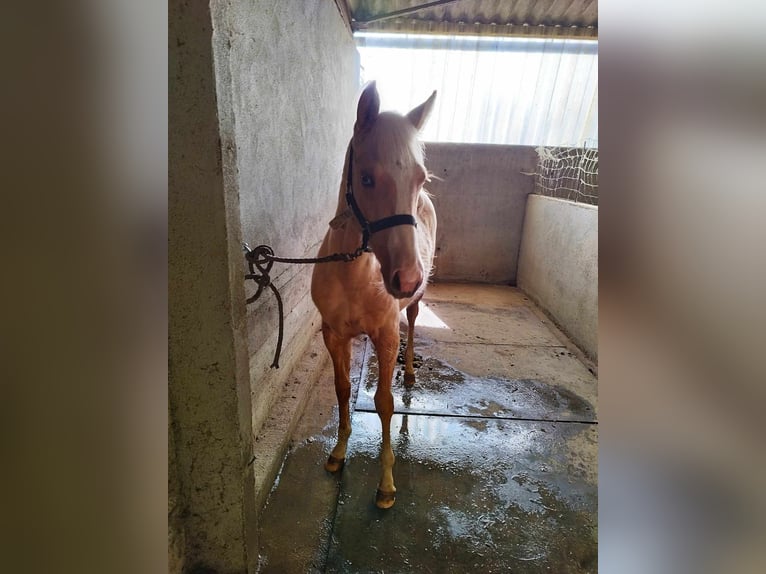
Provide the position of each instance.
(340, 351)
(386, 344)
(409, 354)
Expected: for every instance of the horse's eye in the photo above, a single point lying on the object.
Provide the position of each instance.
(367, 180)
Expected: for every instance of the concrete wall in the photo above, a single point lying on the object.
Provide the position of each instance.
(209, 383)
(291, 94)
(558, 265)
(480, 200)
(264, 98)
(176, 509)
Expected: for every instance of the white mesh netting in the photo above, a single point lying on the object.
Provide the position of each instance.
(568, 173)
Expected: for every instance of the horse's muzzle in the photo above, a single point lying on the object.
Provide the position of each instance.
(404, 284)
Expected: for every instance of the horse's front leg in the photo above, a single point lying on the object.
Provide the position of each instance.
(409, 353)
(340, 351)
(386, 343)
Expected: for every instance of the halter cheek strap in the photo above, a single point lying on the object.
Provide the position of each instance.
(370, 227)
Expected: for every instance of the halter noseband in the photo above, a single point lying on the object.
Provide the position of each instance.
(370, 227)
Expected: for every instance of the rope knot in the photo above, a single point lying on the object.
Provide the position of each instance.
(260, 261)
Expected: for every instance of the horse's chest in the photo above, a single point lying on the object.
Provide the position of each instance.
(353, 325)
(359, 311)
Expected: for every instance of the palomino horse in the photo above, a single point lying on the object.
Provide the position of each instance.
(381, 202)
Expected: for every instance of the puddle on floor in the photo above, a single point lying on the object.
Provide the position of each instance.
(502, 498)
(440, 388)
(496, 460)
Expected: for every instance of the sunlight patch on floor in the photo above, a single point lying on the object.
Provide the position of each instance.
(426, 318)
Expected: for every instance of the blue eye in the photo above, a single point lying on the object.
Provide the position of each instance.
(367, 180)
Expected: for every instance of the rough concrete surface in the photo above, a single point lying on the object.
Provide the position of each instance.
(479, 193)
(208, 382)
(272, 441)
(288, 79)
(496, 448)
(558, 265)
(266, 99)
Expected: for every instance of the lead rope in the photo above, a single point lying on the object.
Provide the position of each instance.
(262, 258)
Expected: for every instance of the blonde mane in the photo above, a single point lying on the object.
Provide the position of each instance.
(397, 140)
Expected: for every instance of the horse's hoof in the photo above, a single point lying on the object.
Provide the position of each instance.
(334, 464)
(409, 379)
(384, 499)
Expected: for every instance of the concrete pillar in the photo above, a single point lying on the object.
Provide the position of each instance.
(209, 386)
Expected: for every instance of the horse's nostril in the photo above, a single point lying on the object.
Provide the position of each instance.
(406, 282)
(395, 282)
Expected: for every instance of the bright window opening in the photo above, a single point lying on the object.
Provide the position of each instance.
(527, 91)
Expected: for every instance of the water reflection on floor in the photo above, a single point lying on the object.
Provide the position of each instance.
(496, 450)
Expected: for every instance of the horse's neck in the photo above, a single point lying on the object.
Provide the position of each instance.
(346, 237)
(342, 205)
(345, 232)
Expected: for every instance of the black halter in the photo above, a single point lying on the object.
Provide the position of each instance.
(370, 227)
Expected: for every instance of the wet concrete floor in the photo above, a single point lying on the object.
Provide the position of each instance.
(496, 453)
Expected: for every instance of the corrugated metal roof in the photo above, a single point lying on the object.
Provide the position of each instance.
(561, 18)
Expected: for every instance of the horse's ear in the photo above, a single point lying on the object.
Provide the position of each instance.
(419, 115)
(367, 111)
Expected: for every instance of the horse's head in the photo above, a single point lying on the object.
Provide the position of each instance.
(387, 176)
